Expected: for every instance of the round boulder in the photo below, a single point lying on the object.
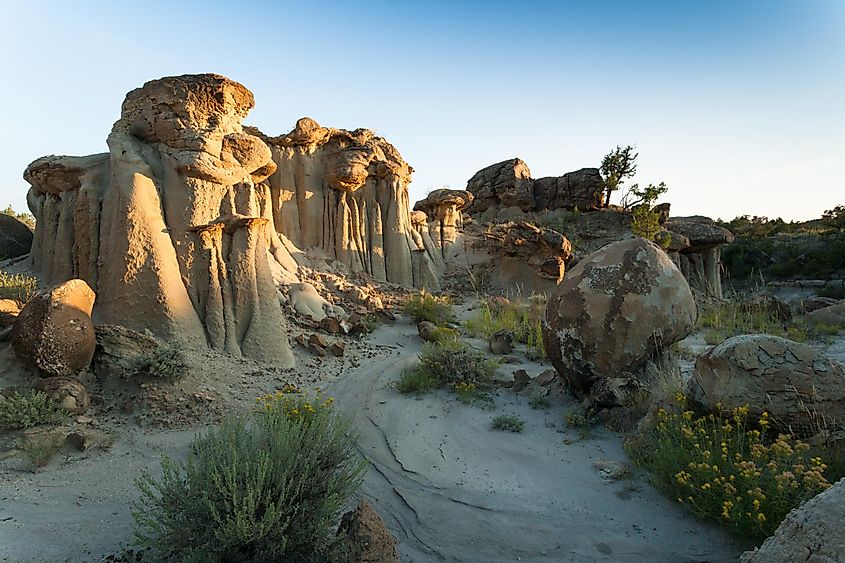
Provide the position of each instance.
(15, 237)
(815, 531)
(615, 310)
(365, 536)
(54, 332)
(802, 389)
(67, 391)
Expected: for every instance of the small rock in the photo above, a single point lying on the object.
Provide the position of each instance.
(366, 536)
(502, 342)
(546, 378)
(426, 330)
(68, 391)
(520, 380)
(337, 348)
(330, 325)
(318, 340)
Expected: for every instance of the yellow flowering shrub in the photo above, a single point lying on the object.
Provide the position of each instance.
(293, 404)
(730, 468)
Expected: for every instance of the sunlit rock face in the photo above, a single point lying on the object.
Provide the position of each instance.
(442, 209)
(173, 227)
(346, 193)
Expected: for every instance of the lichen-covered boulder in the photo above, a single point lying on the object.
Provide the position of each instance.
(366, 538)
(15, 237)
(67, 391)
(798, 386)
(614, 310)
(813, 532)
(54, 332)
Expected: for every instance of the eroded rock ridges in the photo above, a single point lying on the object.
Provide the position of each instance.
(173, 226)
(346, 192)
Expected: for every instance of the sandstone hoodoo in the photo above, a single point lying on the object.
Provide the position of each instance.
(346, 193)
(699, 260)
(443, 212)
(613, 311)
(171, 227)
(803, 390)
(53, 332)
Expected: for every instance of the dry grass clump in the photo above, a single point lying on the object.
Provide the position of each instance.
(269, 487)
(728, 468)
(730, 318)
(508, 423)
(40, 448)
(452, 365)
(25, 410)
(525, 321)
(165, 362)
(424, 306)
(17, 286)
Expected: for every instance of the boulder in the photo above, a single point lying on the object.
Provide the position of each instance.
(504, 184)
(614, 311)
(9, 311)
(15, 237)
(54, 332)
(67, 391)
(426, 330)
(501, 343)
(366, 538)
(831, 315)
(802, 389)
(813, 532)
(117, 349)
(582, 189)
(811, 304)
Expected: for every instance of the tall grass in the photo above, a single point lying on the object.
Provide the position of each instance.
(424, 306)
(524, 320)
(17, 286)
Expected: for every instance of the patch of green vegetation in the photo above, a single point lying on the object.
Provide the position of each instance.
(415, 381)
(728, 468)
(39, 449)
(525, 321)
(17, 286)
(165, 362)
(508, 423)
(539, 402)
(25, 410)
(268, 487)
(424, 306)
(442, 335)
(580, 418)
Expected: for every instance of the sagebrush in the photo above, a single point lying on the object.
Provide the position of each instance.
(17, 286)
(32, 408)
(269, 487)
(424, 306)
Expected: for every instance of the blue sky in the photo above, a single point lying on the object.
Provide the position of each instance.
(736, 105)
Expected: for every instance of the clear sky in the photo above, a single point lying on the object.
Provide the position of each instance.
(738, 105)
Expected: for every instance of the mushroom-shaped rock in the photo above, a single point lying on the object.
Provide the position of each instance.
(787, 379)
(699, 259)
(54, 332)
(614, 310)
(15, 237)
(443, 209)
(815, 531)
(67, 391)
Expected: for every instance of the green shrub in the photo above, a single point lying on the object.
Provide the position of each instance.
(580, 418)
(414, 380)
(424, 306)
(452, 363)
(539, 402)
(730, 470)
(165, 362)
(443, 335)
(269, 487)
(25, 410)
(525, 321)
(508, 422)
(17, 286)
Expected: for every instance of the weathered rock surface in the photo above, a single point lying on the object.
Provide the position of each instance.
(366, 537)
(346, 192)
(67, 391)
(15, 237)
(443, 215)
(306, 301)
(501, 342)
(515, 244)
(9, 311)
(614, 310)
(700, 261)
(830, 315)
(172, 227)
(117, 349)
(813, 532)
(801, 388)
(54, 332)
(581, 189)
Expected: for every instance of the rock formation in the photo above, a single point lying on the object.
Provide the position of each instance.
(516, 244)
(802, 389)
(346, 193)
(509, 184)
(613, 311)
(813, 532)
(53, 332)
(443, 215)
(833, 315)
(173, 227)
(15, 237)
(700, 259)
(67, 391)
(365, 536)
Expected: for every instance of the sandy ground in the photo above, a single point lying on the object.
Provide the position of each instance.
(449, 486)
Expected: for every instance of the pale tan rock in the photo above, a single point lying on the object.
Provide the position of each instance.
(171, 227)
(9, 311)
(803, 390)
(814, 532)
(614, 310)
(54, 332)
(442, 211)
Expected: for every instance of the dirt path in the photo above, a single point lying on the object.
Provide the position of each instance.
(453, 489)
